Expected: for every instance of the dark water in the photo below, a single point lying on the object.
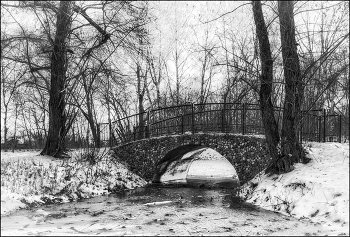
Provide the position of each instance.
(179, 195)
(193, 196)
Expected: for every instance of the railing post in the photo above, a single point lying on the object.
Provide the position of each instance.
(324, 125)
(134, 133)
(182, 124)
(110, 133)
(301, 130)
(148, 126)
(243, 118)
(192, 118)
(223, 120)
(319, 128)
(98, 142)
(339, 128)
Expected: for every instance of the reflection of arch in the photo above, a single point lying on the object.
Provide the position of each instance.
(171, 156)
(195, 165)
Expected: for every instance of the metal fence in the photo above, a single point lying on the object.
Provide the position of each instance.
(317, 125)
(239, 118)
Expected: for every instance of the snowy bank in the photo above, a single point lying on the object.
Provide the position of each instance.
(318, 191)
(28, 179)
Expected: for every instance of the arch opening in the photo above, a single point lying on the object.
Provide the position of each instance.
(196, 165)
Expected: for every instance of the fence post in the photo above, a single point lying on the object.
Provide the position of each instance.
(243, 118)
(340, 128)
(148, 126)
(182, 124)
(134, 133)
(110, 133)
(223, 120)
(324, 125)
(301, 131)
(192, 118)
(98, 142)
(319, 128)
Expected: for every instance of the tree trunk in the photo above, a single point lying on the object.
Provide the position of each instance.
(177, 76)
(5, 124)
(290, 147)
(14, 134)
(90, 115)
(141, 93)
(55, 143)
(266, 79)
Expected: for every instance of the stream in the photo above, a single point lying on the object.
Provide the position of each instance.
(168, 211)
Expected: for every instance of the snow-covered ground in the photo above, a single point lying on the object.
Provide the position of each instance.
(318, 191)
(30, 179)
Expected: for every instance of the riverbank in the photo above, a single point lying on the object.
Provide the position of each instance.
(154, 211)
(28, 179)
(317, 191)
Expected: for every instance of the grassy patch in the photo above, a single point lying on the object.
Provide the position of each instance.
(87, 173)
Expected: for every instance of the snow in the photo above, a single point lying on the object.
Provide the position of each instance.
(191, 153)
(201, 164)
(208, 169)
(176, 173)
(318, 191)
(207, 165)
(29, 179)
(207, 133)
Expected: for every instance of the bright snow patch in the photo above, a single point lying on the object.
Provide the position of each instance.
(202, 164)
(318, 190)
(27, 178)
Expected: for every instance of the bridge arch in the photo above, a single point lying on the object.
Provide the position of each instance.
(248, 154)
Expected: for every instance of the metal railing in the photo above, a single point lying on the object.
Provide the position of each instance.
(239, 118)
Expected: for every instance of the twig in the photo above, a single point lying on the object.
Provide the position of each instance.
(157, 203)
(248, 233)
(134, 219)
(183, 225)
(88, 227)
(325, 197)
(283, 201)
(280, 178)
(221, 218)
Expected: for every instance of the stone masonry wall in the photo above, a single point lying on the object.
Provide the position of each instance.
(248, 154)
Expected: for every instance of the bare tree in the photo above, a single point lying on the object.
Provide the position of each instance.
(291, 149)
(10, 82)
(206, 57)
(266, 80)
(55, 142)
(155, 65)
(238, 64)
(61, 57)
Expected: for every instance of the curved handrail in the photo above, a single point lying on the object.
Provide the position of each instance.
(208, 117)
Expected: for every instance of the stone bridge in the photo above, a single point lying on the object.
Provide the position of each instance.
(233, 130)
(247, 153)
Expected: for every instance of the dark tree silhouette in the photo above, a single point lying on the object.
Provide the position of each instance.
(266, 80)
(55, 144)
(291, 151)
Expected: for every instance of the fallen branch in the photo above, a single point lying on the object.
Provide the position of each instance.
(157, 203)
(184, 223)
